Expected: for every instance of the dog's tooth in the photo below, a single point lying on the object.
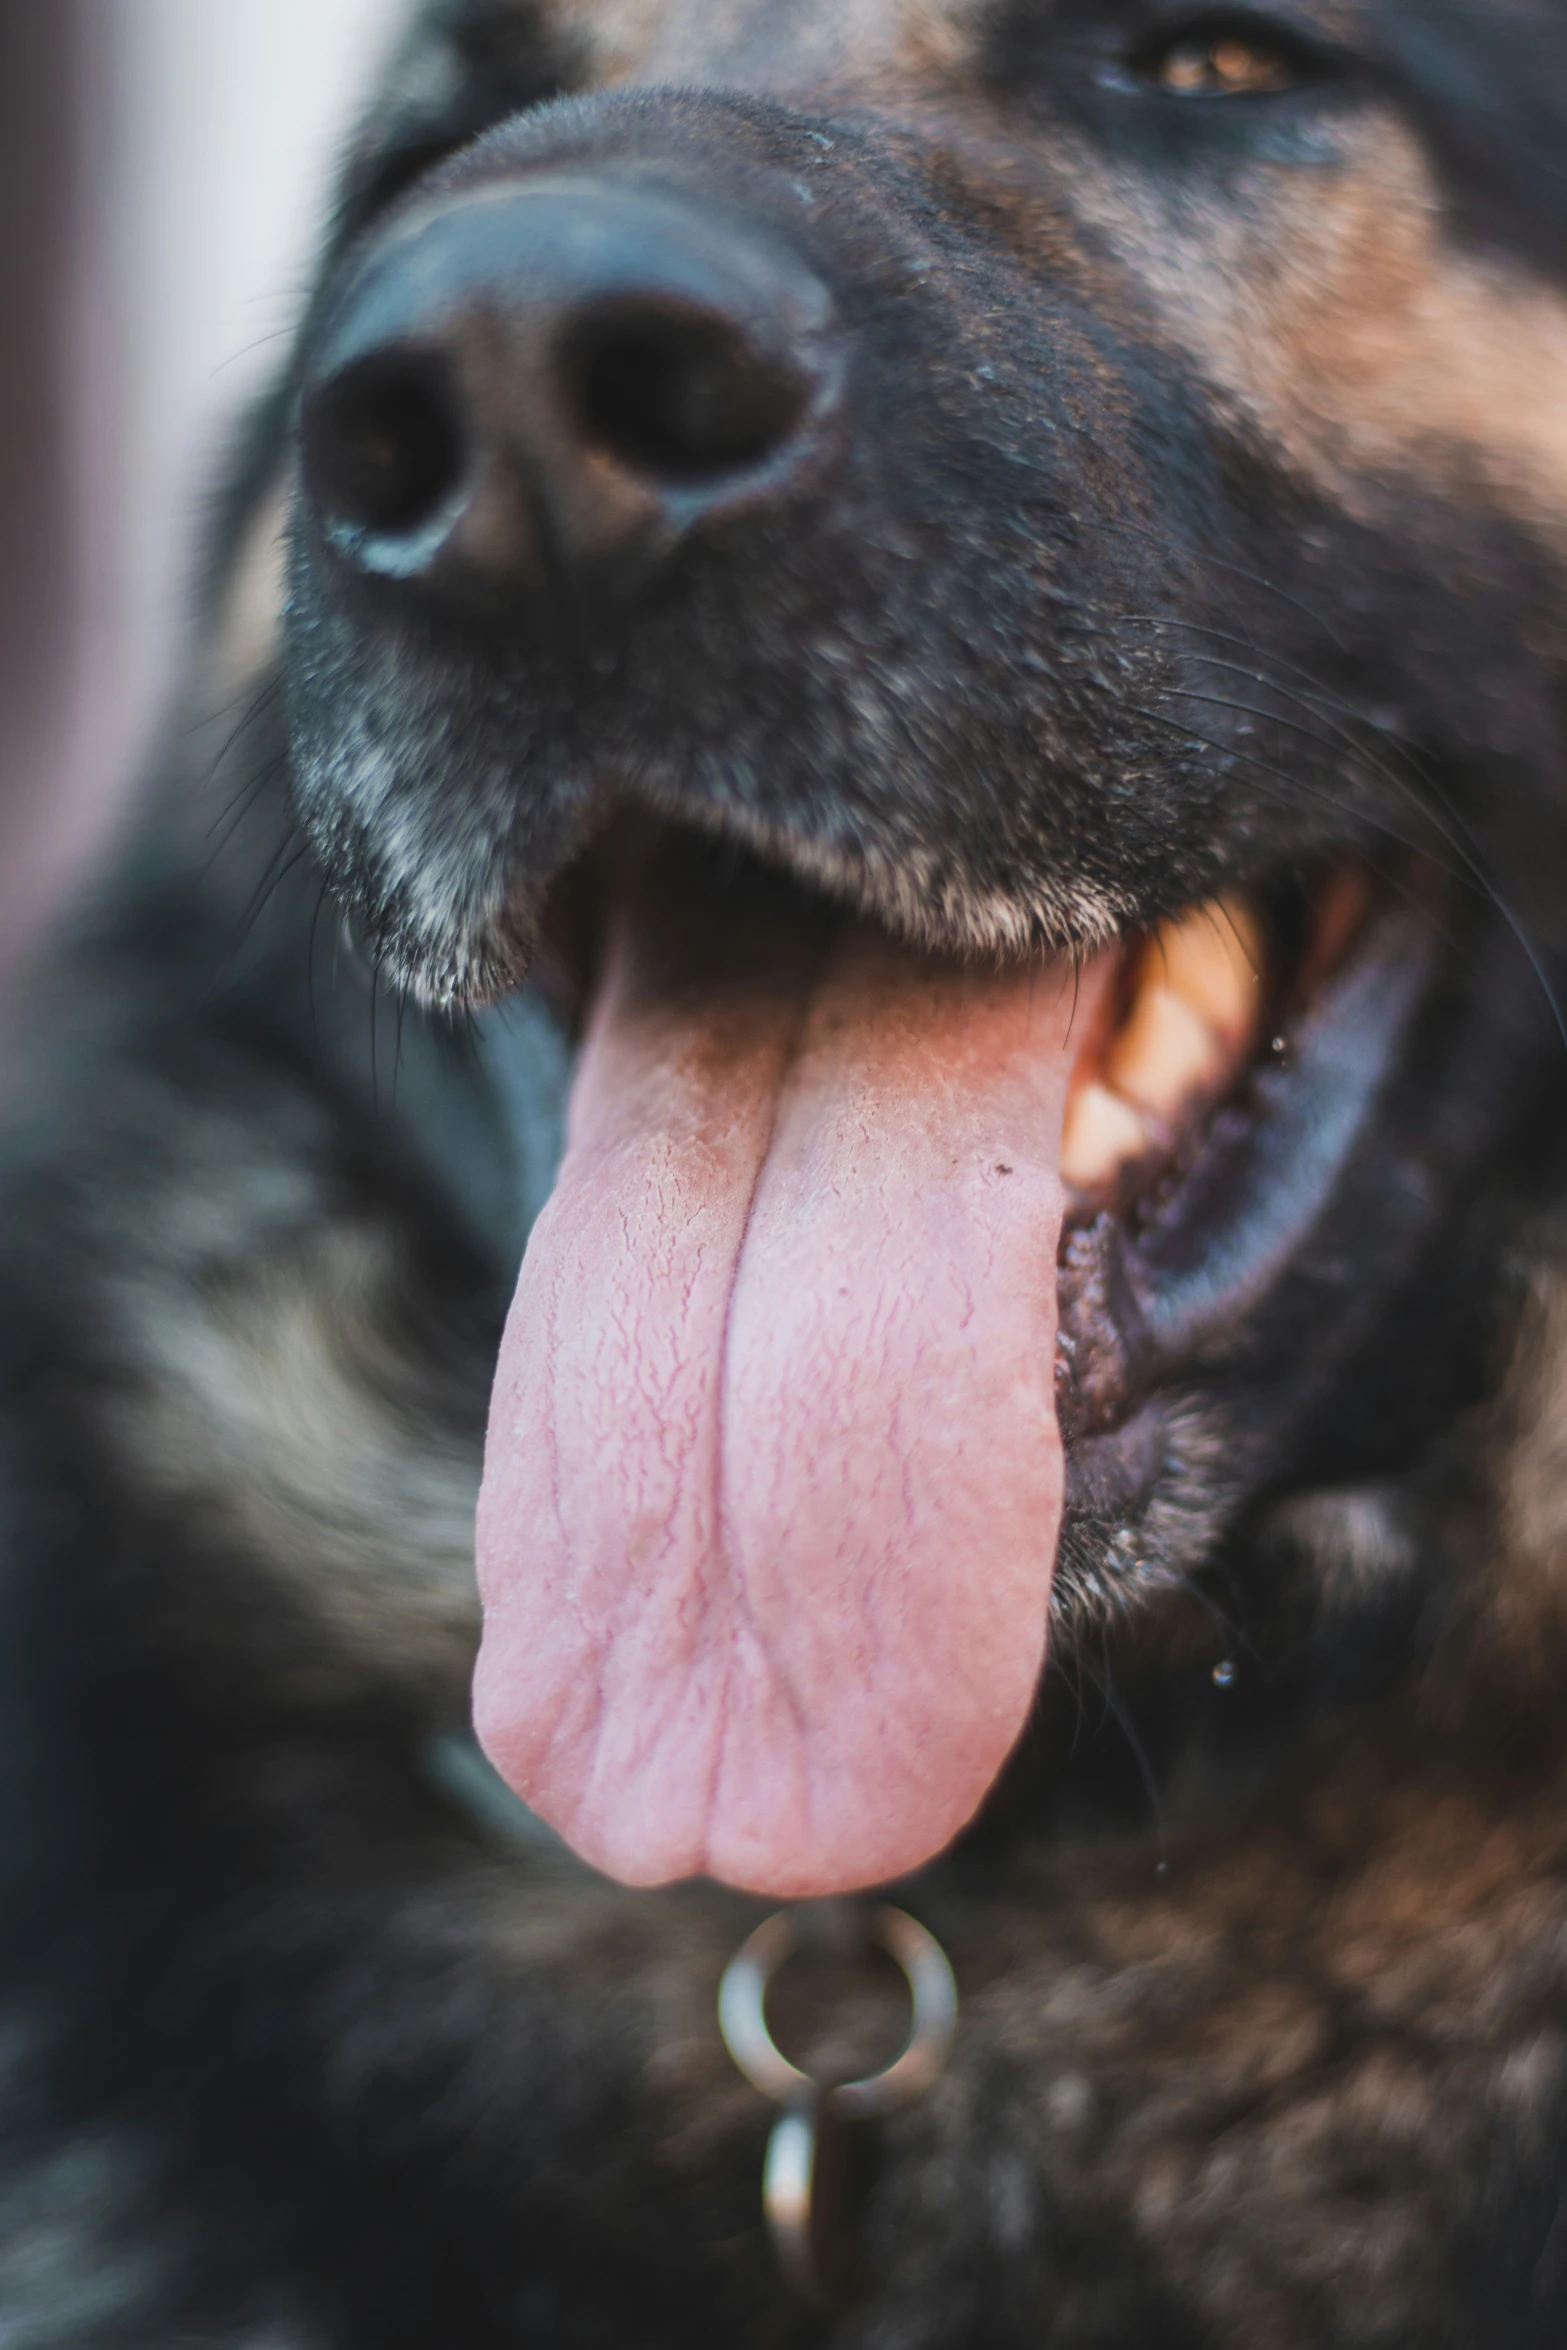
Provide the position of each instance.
(1103, 1133)
(1212, 958)
(1194, 1011)
(1165, 1054)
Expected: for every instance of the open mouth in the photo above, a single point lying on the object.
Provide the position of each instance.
(777, 1466)
(1199, 999)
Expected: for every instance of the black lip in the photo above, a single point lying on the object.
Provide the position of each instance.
(1185, 1267)
(1221, 1241)
(1146, 1296)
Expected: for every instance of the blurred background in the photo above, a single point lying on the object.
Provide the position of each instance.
(164, 166)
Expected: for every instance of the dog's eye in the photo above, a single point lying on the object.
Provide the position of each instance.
(1220, 63)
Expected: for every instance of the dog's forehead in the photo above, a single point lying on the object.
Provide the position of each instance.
(875, 48)
(771, 45)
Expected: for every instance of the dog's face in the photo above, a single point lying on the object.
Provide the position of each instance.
(983, 586)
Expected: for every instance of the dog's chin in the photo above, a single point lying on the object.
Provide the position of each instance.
(855, 1250)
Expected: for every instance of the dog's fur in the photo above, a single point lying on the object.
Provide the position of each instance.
(1205, 514)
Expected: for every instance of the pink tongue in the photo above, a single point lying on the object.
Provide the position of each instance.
(773, 1481)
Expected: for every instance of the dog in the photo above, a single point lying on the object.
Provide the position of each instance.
(886, 696)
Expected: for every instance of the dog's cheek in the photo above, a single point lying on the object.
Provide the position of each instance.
(1512, 1616)
(1334, 316)
(267, 1384)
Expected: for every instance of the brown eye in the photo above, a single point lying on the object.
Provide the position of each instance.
(1220, 65)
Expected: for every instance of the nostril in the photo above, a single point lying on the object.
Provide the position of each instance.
(551, 383)
(681, 395)
(382, 447)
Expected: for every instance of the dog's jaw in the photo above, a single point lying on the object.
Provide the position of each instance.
(775, 1479)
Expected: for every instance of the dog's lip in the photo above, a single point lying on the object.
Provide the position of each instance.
(1167, 1278)
(1189, 1042)
(1168, 1253)
(1274, 968)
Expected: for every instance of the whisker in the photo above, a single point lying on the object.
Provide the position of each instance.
(290, 852)
(1469, 867)
(1289, 786)
(268, 692)
(375, 989)
(310, 959)
(1256, 579)
(397, 1037)
(1318, 697)
(1286, 789)
(1118, 1712)
(243, 804)
(198, 720)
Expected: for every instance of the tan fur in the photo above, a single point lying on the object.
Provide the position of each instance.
(1513, 1631)
(1335, 312)
(850, 50)
(279, 1406)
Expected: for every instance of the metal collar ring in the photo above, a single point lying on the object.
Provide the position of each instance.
(806, 2172)
(742, 2015)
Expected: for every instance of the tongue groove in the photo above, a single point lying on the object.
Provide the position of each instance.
(773, 1481)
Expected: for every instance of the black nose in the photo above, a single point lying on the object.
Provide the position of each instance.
(548, 380)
